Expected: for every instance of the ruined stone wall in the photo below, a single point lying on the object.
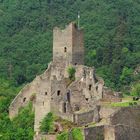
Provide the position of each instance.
(25, 95)
(78, 46)
(109, 132)
(42, 105)
(129, 116)
(68, 45)
(94, 133)
(45, 137)
(111, 96)
(83, 118)
(126, 133)
(106, 112)
(58, 94)
(62, 44)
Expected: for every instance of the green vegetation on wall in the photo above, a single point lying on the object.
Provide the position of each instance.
(47, 124)
(77, 134)
(62, 136)
(74, 134)
(71, 71)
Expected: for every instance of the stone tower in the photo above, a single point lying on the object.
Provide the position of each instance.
(68, 45)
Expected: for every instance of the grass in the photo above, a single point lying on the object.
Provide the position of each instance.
(125, 104)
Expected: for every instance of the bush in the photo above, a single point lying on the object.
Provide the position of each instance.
(136, 90)
(62, 136)
(47, 123)
(71, 71)
(77, 134)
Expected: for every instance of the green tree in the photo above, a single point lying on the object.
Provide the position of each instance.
(126, 76)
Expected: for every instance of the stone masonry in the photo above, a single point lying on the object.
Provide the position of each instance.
(54, 92)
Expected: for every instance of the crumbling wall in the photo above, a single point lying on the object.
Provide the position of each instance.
(68, 45)
(106, 111)
(25, 95)
(129, 116)
(78, 45)
(94, 133)
(23, 98)
(111, 96)
(123, 132)
(83, 118)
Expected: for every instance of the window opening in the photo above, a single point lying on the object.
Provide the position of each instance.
(65, 49)
(90, 87)
(64, 107)
(58, 93)
(24, 99)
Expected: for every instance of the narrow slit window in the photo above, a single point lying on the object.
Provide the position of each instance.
(24, 99)
(64, 107)
(90, 87)
(97, 88)
(65, 49)
(58, 93)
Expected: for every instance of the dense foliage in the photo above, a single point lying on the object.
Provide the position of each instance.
(111, 36)
(112, 45)
(21, 127)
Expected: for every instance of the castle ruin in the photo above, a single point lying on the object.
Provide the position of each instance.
(74, 100)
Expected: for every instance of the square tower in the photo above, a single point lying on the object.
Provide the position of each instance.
(68, 45)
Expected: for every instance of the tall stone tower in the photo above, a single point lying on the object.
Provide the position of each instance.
(68, 45)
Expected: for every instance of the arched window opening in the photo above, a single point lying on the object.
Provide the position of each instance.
(65, 49)
(46, 93)
(58, 93)
(24, 99)
(90, 87)
(87, 99)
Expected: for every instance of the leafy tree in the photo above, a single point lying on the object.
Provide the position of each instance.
(126, 76)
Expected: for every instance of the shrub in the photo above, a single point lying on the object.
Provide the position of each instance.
(47, 123)
(77, 134)
(62, 136)
(136, 90)
(71, 71)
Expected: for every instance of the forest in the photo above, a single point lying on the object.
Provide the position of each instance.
(112, 45)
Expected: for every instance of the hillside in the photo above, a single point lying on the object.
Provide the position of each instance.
(112, 42)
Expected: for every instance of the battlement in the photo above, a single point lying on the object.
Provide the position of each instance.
(68, 45)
